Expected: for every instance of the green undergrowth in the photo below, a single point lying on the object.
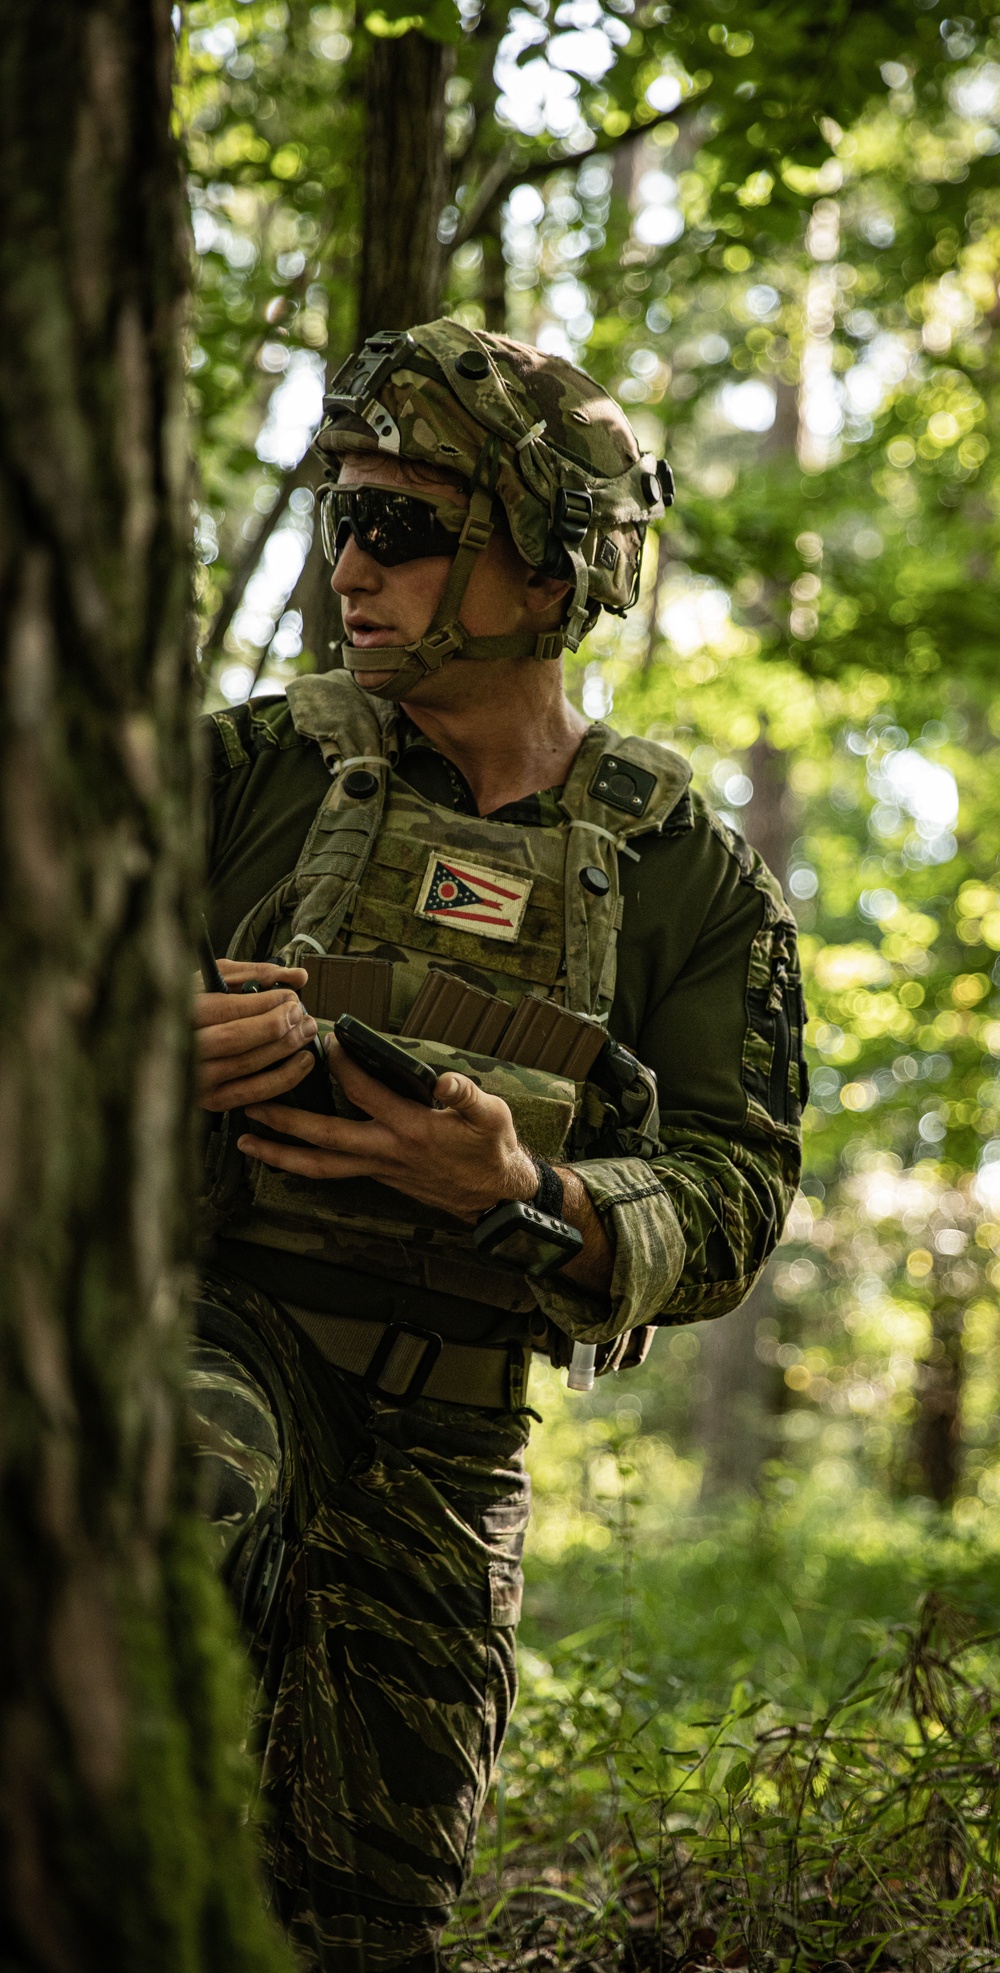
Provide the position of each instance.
(790, 1596)
(765, 1739)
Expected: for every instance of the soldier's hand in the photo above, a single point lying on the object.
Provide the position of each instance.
(241, 1037)
(463, 1156)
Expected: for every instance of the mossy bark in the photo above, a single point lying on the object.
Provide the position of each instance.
(121, 1688)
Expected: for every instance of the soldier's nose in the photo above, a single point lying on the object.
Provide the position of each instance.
(355, 570)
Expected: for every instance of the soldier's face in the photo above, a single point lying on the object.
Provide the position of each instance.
(390, 607)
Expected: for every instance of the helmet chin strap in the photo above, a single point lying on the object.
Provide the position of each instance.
(446, 638)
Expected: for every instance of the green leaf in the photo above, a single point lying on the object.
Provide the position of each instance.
(443, 22)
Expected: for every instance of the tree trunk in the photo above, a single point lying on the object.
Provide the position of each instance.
(406, 182)
(780, 441)
(654, 635)
(402, 260)
(314, 596)
(937, 1427)
(494, 275)
(246, 561)
(120, 1687)
(770, 816)
(743, 1394)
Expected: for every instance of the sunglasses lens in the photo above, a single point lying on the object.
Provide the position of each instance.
(390, 527)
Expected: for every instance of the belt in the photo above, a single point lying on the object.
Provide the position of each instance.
(329, 1289)
(399, 1363)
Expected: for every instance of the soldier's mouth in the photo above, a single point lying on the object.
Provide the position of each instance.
(366, 636)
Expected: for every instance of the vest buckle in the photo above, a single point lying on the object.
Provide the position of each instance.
(385, 1350)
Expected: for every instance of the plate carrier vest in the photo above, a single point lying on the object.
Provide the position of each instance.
(369, 860)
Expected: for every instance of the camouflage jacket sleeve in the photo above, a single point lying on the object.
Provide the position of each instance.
(709, 996)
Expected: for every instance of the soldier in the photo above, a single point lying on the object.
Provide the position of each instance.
(543, 913)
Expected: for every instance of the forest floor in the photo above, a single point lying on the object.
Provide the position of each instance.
(765, 1738)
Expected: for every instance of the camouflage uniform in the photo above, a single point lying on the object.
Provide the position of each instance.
(386, 1673)
(386, 1657)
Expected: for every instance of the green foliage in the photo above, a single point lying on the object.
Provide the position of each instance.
(787, 1592)
(796, 1778)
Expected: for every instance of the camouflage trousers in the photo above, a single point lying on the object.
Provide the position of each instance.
(385, 1664)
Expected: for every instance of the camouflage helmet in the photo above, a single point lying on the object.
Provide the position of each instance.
(524, 427)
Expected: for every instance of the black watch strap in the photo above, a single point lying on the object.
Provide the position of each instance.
(550, 1197)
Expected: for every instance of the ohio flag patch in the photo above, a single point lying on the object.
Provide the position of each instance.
(471, 898)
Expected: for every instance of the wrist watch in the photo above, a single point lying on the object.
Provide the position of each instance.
(533, 1238)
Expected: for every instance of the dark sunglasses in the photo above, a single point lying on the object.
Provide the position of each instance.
(391, 527)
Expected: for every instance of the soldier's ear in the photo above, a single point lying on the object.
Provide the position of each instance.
(542, 592)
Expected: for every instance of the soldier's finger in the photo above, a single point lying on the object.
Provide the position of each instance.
(238, 1037)
(239, 971)
(244, 1090)
(216, 1070)
(305, 1162)
(462, 1096)
(459, 1093)
(369, 1142)
(213, 1009)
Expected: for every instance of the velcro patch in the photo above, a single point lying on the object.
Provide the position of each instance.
(471, 898)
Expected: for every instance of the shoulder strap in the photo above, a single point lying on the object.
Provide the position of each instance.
(353, 731)
(583, 802)
(599, 830)
(328, 707)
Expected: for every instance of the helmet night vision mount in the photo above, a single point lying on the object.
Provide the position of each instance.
(518, 426)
